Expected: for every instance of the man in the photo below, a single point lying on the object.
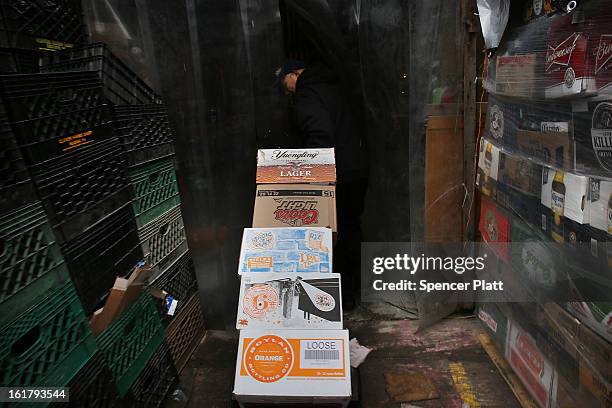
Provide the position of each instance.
(324, 118)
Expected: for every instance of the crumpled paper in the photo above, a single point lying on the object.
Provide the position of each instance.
(358, 352)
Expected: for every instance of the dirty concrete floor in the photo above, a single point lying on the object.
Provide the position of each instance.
(448, 354)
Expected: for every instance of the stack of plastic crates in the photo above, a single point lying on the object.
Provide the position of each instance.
(28, 29)
(62, 125)
(144, 365)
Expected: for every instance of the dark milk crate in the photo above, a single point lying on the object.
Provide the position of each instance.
(16, 61)
(145, 132)
(48, 344)
(179, 281)
(31, 263)
(32, 96)
(122, 85)
(130, 341)
(92, 386)
(155, 381)
(96, 258)
(83, 188)
(163, 240)
(16, 188)
(41, 24)
(185, 332)
(155, 189)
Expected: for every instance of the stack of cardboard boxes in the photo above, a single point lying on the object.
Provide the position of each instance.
(546, 181)
(292, 347)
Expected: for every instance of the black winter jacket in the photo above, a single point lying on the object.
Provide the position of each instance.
(324, 119)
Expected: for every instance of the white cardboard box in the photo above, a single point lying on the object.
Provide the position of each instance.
(574, 201)
(293, 366)
(488, 162)
(601, 204)
(290, 301)
(296, 166)
(289, 249)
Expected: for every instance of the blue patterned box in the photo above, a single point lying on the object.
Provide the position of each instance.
(286, 250)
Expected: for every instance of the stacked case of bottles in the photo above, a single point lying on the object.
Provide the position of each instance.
(545, 175)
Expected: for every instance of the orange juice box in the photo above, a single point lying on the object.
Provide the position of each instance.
(293, 366)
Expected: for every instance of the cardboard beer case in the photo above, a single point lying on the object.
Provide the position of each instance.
(566, 193)
(494, 225)
(569, 71)
(296, 166)
(532, 367)
(293, 367)
(488, 165)
(295, 205)
(290, 301)
(541, 131)
(289, 249)
(593, 135)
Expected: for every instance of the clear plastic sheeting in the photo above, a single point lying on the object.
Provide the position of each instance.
(545, 177)
(399, 62)
(493, 19)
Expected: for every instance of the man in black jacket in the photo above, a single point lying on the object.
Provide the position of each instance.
(324, 118)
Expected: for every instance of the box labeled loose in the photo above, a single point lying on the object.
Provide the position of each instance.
(293, 366)
(290, 249)
(295, 205)
(296, 166)
(290, 301)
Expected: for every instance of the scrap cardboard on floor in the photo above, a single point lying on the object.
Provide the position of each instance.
(293, 366)
(290, 301)
(291, 249)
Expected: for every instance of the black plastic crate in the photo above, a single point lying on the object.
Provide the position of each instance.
(31, 96)
(155, 381)
(122, 85)
(83, 188)
(16, 188)
(15, 61)
(179, 281)
(185, 332)
(106, 251)
(41, 24)
(163, 240)
(145, 132)
(92, 386)
(48, 344)
(31, 263)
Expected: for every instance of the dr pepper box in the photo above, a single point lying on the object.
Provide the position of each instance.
(290, 301)
(293, 366)
(296, 166)
(289, 249)
(295, 205)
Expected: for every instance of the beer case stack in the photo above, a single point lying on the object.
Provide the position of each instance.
(292, 348)
(89, 190)
(545, 179)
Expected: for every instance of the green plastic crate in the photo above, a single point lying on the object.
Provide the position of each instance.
(155, 189)
(131, 340)
(48, 344)
(31, 263)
